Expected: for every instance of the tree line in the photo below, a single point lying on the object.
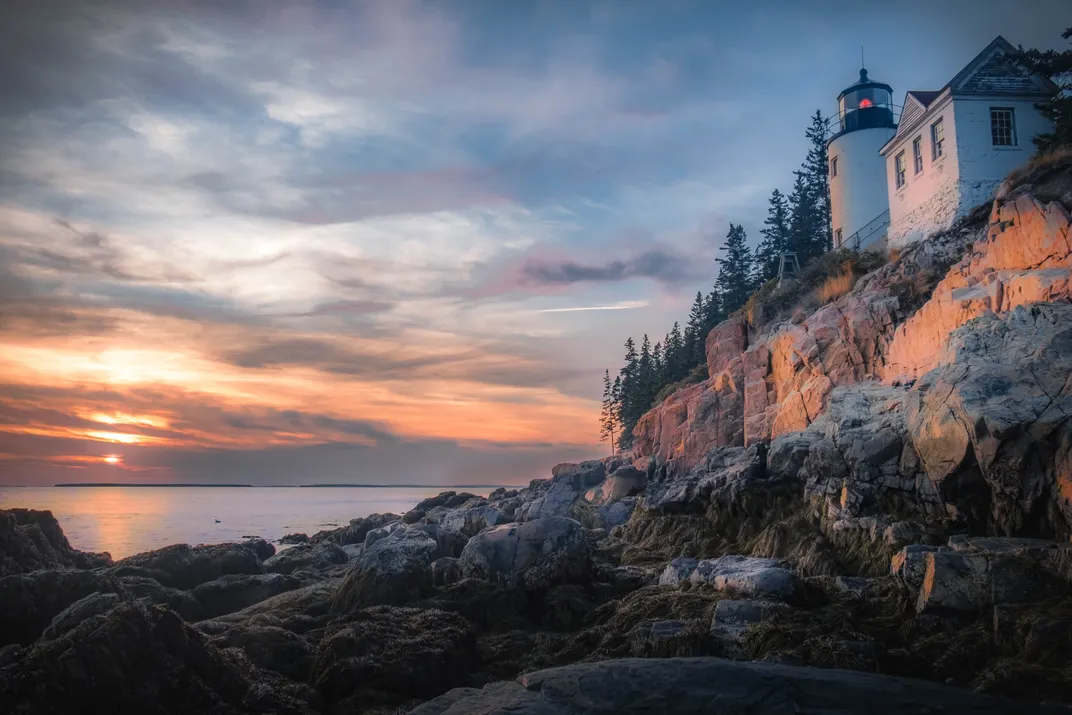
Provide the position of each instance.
(798, 223)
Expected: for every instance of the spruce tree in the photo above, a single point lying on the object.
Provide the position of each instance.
(713, 313)
(818, 178)
(695, 335)
(608, 417)
(658, 372)
(801, 220)
(1058, 67)
(674, 354)
(647, 377)
(775, 238)
(630, 394)
(735, 269)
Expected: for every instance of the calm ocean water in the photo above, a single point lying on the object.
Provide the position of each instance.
(124, 521)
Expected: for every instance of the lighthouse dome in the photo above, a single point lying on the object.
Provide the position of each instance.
(865, 104)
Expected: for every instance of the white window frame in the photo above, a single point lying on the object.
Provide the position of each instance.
(917, 154)
(1011, 112)
(900, 171)
(938, 139)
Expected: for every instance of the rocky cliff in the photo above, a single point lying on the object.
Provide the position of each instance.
(892, 327)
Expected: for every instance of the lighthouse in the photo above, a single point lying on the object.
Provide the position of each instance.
(859, 203)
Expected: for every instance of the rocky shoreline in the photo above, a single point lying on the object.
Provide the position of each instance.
(875, 491)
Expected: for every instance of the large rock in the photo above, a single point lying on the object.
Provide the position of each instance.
(724, 476)
(307, 557)
(533, 555)
(29, 601)
(272, 648)
(973, 574)
(182, 602)
(80, 610)
(746, 576)
(32, 540)
(136, 658)
(991, 428)
(625, 482)
(711, 686)
(857, 456)
(355, 532)
(385, 656)
(1024, 258)
(391, 571)
(186, 566)
(233, 593)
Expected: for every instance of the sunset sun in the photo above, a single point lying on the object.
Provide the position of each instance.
(112, 459)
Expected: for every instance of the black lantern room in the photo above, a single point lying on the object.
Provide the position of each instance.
(865, 105)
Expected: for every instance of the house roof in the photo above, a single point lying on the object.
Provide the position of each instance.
(924, 97)
(989, 73)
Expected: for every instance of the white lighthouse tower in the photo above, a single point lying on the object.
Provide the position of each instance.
(859, 203)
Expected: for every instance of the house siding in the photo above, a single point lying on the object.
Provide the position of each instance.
(982, 165)
(929, 201)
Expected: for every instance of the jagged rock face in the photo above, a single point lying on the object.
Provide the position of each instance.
(858, 458)
(991, 427)
(688, 423)
(32, 540)
(1024, 258)
(779, 382)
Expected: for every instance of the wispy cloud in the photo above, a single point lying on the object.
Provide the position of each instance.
(628, 305)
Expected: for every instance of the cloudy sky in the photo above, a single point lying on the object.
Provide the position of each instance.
(390, 241)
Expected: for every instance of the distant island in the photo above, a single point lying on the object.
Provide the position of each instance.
(123, 484)
(291, 486)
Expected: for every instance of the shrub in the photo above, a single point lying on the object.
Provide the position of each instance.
(836, 285)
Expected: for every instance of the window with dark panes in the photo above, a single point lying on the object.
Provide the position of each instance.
(899, 168)
(1002, 127)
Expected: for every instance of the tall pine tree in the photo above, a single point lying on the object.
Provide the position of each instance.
(609, 417)
(695, 335)
(735, 270)
(775, 241)
(631, 399)
(818, 177)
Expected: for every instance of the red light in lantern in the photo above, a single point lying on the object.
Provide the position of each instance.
(865, 103)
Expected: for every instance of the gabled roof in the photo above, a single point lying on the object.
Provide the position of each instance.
(924, 97)
(990, 73)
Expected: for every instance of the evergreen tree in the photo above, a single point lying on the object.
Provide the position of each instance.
(801, 221)
(674, 355)
(817, 175)
(735, 269)
(658, 371)
(695, 335)
(630, 399)
(646, 383)
(775, 238)
(1058, 67)
(609, 415)
(713, 313)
